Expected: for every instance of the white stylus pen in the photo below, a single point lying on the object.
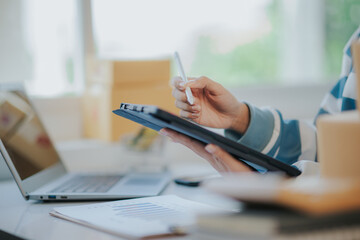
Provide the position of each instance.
(188, 92)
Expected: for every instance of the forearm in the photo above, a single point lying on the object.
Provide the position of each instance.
(242, 119)
(286, 140)
(259, 132)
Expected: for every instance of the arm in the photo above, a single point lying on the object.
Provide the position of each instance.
(285, 140)
(261, 129)
(294, 140)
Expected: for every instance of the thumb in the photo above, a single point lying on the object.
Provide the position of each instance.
(203, 82)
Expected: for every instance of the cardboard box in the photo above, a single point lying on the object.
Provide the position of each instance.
(100, 100)
(131, 73)
(113, 82)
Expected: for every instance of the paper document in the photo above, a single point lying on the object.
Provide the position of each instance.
(137, 218)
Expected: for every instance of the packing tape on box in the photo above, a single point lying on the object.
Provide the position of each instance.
(339, 145)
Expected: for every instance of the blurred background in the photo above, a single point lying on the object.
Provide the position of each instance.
(283, 53)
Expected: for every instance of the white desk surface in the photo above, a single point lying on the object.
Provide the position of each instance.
(31, 219)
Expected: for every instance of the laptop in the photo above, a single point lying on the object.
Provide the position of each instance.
(37, 168)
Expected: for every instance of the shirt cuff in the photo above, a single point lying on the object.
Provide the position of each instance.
(259, 132)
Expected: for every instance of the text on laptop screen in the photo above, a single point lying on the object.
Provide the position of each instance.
(24, 136)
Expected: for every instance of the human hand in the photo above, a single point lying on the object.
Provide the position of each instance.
(214, 106)
(222, 161)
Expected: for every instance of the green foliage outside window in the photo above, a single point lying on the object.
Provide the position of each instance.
(258, 62)
(342, 17)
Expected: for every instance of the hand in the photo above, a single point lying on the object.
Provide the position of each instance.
(218, 158)
(214, 106)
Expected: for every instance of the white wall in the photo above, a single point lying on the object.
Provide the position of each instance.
(15, 63)
(303, 37)
(299, 102)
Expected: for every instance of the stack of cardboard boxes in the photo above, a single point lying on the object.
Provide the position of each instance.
(110, 83)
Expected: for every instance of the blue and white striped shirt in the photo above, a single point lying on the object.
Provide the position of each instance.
(293, 140)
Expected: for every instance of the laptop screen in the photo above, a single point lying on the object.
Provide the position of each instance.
(23, 134)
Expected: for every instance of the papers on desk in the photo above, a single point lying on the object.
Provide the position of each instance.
(137, 218)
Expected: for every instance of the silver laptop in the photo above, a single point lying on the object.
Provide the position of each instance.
(38, 170)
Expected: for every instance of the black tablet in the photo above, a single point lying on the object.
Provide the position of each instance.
(156, 118)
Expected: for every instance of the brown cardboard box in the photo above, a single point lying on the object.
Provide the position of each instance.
(111, 82)
(131, 73)
(101, 99)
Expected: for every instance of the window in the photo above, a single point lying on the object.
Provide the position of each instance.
(220, 39)
(235, 42)
(341, 20)
(51, 40)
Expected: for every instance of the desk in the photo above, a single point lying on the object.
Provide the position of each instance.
(31, 219)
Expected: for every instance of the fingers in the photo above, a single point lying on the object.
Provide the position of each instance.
(224, 159)
(188, 111)
(175, 81)
(196, 83)
(218, 158)
(179, 92)
(175, 136)
(204, 83)
(184, 106)
(178, 83)
(178, 137)
(200, 82)
(179, 95)
(193, 144)
(182, 102)
(191, 115)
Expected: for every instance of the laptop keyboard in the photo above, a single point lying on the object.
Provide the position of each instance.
(87, 184)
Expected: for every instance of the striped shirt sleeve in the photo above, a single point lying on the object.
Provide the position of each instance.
(293, 140)
(285, 140)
